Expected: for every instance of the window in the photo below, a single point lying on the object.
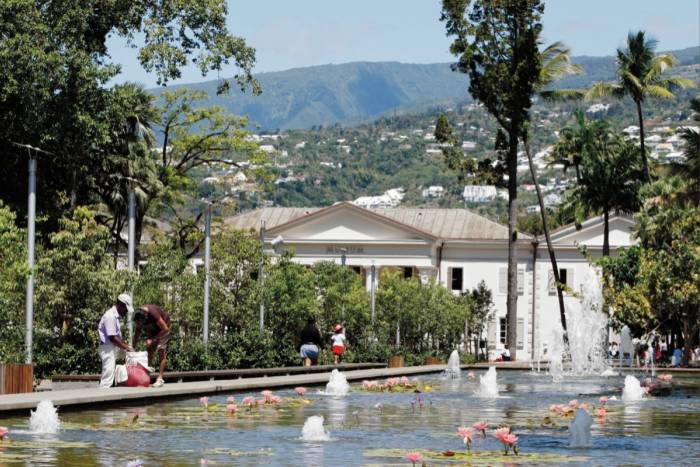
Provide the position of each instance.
(503, 281)
(566, 276)
(357, 269)
(502, 331)
(457, 281)
(407, 272)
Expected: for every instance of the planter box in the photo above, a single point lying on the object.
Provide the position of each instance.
(397, 361)
(433, 361)
(16, 379)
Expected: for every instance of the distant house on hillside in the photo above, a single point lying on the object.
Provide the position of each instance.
(435, 191)
(479, 193)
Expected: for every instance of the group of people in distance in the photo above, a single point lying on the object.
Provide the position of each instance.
(311, 343)
(153, 322)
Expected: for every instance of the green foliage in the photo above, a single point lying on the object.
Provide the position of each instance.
(75, 284)
(13, 273)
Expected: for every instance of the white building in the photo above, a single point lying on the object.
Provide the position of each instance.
(434, 191)
(455, 247)
(479, 193)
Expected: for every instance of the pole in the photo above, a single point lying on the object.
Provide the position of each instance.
(31, 219)
(261, 275)
(207, 274)
(132, 245)
(373, 290)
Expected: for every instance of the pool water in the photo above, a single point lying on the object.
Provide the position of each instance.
(371, 428)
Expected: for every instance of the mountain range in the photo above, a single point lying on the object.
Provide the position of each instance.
(351, 93)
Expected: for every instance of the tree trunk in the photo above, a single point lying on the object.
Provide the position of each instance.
(645, 164)
(550, 249)
(606, 232)
(512, 298)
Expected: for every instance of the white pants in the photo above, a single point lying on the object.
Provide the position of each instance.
(108, 354)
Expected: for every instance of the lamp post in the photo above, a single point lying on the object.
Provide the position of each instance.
(31, 235)
(261, 275)
(373, 290)
(207, 273)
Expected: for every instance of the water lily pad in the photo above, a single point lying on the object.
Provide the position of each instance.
(237, 453)
(478, 457)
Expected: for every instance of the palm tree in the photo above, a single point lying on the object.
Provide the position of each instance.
(640, 74)
(691, 147)
(570, 149)
(610, 180)
(555, 64)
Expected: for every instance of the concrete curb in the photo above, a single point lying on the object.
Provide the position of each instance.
(92, 397)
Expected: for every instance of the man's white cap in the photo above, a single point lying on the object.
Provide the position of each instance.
(125, 298)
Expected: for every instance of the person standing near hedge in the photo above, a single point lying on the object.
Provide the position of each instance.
(154, 322)
(310, 342)
(110, 334)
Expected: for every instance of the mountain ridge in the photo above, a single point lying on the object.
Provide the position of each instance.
(353, 92)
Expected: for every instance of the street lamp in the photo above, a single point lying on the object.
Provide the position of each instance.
(207, 274)
(31, 234)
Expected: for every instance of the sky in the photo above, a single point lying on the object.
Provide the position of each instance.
(299, 33)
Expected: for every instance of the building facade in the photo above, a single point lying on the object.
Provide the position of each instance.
(455, 247)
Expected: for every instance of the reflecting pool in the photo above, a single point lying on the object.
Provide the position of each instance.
(377, 428)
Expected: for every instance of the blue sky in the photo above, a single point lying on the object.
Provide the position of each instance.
(298, 33)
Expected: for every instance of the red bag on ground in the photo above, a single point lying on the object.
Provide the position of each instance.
(137, 376)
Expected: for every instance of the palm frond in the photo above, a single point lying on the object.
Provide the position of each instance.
(676, 82)
(602, 89)
(659, 92)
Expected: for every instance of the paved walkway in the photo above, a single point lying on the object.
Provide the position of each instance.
(87, 397)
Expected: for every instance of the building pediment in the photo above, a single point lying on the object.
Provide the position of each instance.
(346, 222)
(591, 233)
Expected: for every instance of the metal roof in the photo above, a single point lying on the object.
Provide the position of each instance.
(451, 224)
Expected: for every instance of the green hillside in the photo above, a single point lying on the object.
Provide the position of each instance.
(359, 92)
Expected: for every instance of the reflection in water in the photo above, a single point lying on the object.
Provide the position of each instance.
(656, 430)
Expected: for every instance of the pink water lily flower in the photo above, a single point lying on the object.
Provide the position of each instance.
(481, 426)
(466, 433)
(302, 391)
(501, 432)
(404, 381)
(204, 401)
(231, 400)
(509, 439)
(275, 399)
(414, 457)
(267, 394)
(471, 375)
(232, 408)
(603, 399)
(3, 432)
(666, 378)
(260, 402)
(573, 403)
(249, 401)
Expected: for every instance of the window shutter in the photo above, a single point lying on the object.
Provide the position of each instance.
(520, 338)
(570, 278)
(551, 285)
(492, 335)
(448, 284)
(503, 280)
(521, 281)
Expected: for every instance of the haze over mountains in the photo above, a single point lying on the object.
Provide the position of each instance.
(355, 92)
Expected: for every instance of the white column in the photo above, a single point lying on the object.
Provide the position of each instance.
(207, 276)
(31, 216)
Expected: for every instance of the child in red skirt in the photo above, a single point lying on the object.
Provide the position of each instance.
(339, 343)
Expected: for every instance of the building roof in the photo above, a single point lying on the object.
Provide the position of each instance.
(448, 224)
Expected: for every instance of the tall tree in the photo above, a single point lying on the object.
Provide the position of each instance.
(556, 63)
(496, 42)
(55, 92)
(641, 74)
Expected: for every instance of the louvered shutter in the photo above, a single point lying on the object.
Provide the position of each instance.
(492, 334)
(551, 285)
(570, 278)
(503, 280)
(520, 338)
(521, 281)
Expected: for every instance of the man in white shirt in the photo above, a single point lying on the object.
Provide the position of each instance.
(110, 334)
